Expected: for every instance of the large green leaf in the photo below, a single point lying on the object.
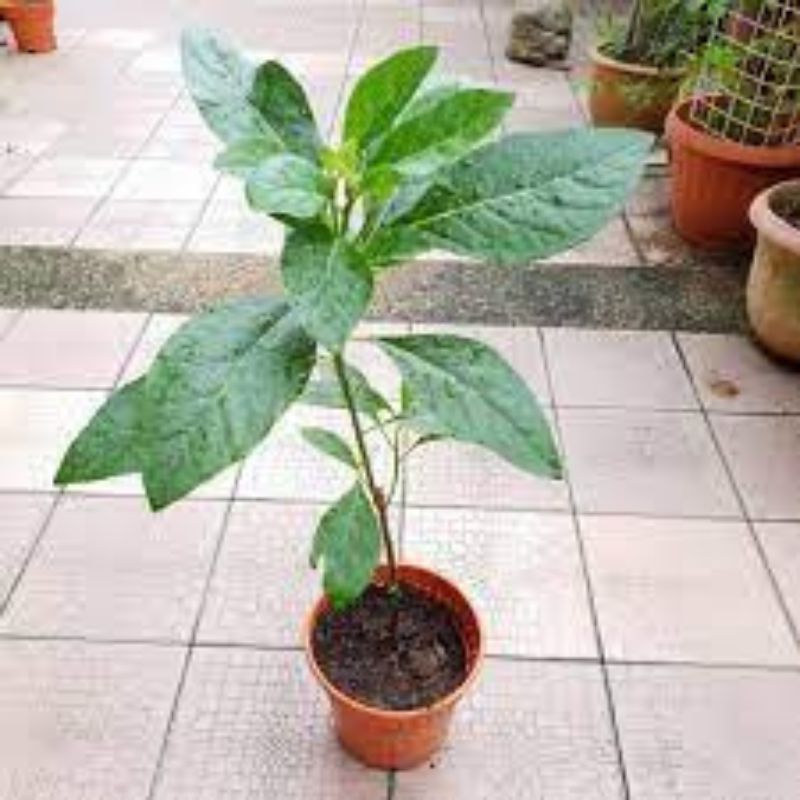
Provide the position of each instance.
(324, 390)
(524, 197)
(239, 101)
(328, 282)
(244, 155)
(282, 101)
(348, 543)
(110, 444)
(442, 129)
(331, 444)
(287, 185)
(216, 389)
(383, 92)
(462, 389)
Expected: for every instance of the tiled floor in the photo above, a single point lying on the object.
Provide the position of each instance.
(100, 146)
(642, 618)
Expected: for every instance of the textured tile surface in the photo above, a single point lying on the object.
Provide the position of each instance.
(82, 720)
(521, 569)
(627, 369)
(42, 220)
(108, 568)
(68, 349)
(645, 462)
(455, 474)
(764, 456)
(21, 518)
(732, 374)
(529, 731)
(684, 590)
(263, 587)
(251, 725)
(781, 542)
(35, 429)
(69, 177)
(691, 734)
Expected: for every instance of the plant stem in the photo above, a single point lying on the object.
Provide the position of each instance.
(376, 493)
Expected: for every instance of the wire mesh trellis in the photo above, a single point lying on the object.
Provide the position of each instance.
(748, 88)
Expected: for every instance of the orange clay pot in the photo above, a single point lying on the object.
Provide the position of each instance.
(31, 23)
(631, 95)
(401, 739)
(773, 289)
(714, 181)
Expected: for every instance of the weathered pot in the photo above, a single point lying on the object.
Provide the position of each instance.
(401, 739)
(714, 181)
(773, 289)
(31, 23)
(631, 95)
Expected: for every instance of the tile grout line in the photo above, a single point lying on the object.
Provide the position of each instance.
(16, 315)
(192, 643)
(128, 359)
(755, 540)
(588, 583)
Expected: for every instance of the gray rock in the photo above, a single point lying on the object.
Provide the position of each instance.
(541, 31)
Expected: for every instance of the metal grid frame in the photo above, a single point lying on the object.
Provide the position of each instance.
(748, 88)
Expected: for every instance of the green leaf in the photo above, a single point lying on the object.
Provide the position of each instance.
(287, 185)
(239, 101)
(244, 155)
(220, 81)
(110, 444)
(325, 391)
(282, 101)
(383, 92)
(328, 282)
(462, 389)
(216, 389)
(331, 444)
(443, 130)
(348, 543)
(522, 198)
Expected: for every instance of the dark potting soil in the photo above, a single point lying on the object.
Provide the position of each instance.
(788, 209)
(393, 650)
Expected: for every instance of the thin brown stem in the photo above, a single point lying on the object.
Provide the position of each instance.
(376, 493)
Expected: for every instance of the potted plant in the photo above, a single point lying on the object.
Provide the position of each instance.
(773, 289)
(737, 133)
(640, 60)
(394, 645)
(31, 22)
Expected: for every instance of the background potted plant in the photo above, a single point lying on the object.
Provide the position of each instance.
(410, 174)
(640, 60)
(31, 22)
(738, 131)
(773, 289)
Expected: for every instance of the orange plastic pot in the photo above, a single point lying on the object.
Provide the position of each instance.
(773, 288)
(714, 181)
(631, 95)
(401, 739)
(32, 25)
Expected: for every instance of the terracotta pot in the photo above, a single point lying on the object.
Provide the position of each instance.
(401, 739)
(32, 25)
(714, 181)
(773, 290)
(631, 95)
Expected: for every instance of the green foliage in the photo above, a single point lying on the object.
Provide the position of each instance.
(412, 172)
(660, 33)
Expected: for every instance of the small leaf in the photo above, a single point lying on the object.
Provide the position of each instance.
(287, 185)
(331, 444)
(244, 155)
(282, 101)
(524, 197)
(328, 282)
(462, 389)
(442, 131)
(110, 444)
(216, 389)
(325, 391)
(348, 543)
(382, 93)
